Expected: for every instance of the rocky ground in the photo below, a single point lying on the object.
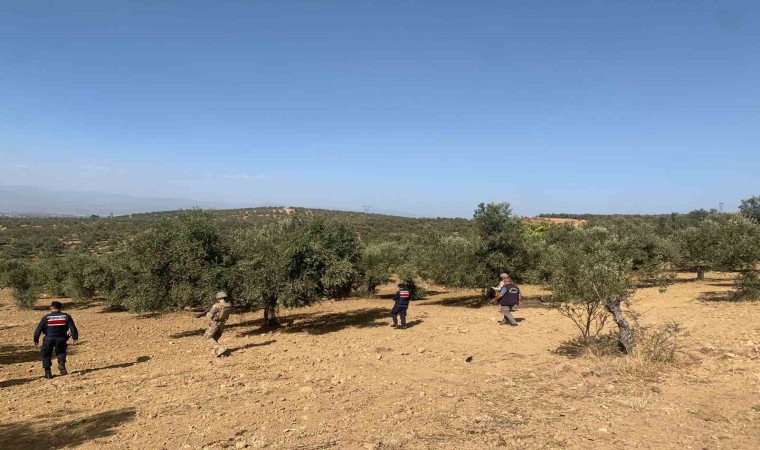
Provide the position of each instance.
(336, 376)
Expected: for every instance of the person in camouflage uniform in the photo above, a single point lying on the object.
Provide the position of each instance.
(217, 315)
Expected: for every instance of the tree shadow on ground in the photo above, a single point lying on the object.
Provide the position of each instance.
(141, 359)
(20, 381)
(200, 331)
(230, 351)
(11, 354)
(41, 435)
(715, 296)
(326, 323)
(577, 347)
(477, 301)
(153, 315)
(113, 309)
(467, 301)
(724, 284)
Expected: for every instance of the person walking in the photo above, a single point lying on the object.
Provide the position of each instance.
(509, 296)
(56, 326)
(217, 316)
(401, 304)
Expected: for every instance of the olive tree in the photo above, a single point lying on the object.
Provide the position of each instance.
(737, 248)
(377, 263)
(454, 261)
(294, 263)
(22, 278)
(649, 254)
(695, 244)
(503, 240)
(750, 208)
(589, 279)
(179, 262)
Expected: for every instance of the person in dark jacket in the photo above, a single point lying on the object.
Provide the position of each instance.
(56, 326)
(401, 304)
(508, 297)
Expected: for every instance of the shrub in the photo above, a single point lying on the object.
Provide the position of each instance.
(23, 279)
(747, 287)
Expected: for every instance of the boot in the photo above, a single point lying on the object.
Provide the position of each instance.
(62, 369)
(48, 374)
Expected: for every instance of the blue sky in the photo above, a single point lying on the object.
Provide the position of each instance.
(428, 107)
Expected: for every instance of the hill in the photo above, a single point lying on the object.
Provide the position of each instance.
(33, 236)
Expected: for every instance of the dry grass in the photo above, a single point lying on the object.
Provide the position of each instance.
(657, 350)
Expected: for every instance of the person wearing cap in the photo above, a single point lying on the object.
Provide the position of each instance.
(401, 304)
(497, 288)
(509, 296)
(56, 326)
(217, 316)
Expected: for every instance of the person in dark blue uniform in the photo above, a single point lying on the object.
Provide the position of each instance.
(56, 326)
(508, 298)
(401, 299)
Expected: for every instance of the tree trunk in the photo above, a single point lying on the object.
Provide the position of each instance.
(371, 288)
(700, 273)
(270, 314)
(626, 335)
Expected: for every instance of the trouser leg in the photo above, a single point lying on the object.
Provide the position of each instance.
(402, 313)
(60, 350)
(507, 311)
(47, 353)
(218, 335)
(211, 336)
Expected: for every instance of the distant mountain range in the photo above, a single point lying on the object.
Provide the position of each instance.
(32, 201)
(20, 201)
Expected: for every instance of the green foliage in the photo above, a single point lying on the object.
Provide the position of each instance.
(86, 276)
(695, 245)
(504, 241)
(295, 262)
(648, 253)
(454, 261)
(735, 243)
(747, 287)
(586, 273)
(23, 279)
(179, 262)
(376, 265)
(750, 208)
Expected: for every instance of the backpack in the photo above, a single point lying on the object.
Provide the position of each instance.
(225, 309)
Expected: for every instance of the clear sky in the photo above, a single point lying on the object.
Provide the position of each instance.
(428, 107)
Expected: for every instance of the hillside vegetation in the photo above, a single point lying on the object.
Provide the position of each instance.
(291, 257)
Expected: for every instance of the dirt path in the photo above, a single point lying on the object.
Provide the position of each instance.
(338, 377)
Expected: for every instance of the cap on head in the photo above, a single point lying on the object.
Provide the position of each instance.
(221, 295)
(504, 276)
(56, 305)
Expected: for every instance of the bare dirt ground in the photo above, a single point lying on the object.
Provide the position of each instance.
(338, 377)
